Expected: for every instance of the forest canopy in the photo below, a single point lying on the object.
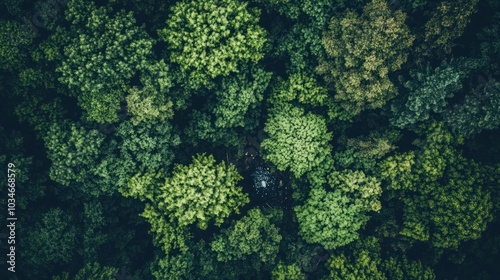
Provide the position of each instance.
(250, 139)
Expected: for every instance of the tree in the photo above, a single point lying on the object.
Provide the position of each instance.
(287, 272)
(402, 269)
(428, 91)
(253, 235)
(301, 88)
(361, 262)
(101, 57)
(364, 152)
(445, 201)
(233, 110)
(91, 271)
(15, 40)
(489, 39)
(74, 152)
(332, 217)
(479, 111)
(202, 192)
(208, 39)
(238, 95)
(51, 241)
(151, 103)
(446, 24)
(361, 52)
(297, 140)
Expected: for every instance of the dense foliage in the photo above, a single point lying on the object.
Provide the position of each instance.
(250, 139)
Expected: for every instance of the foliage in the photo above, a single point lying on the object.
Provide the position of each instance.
(446, 24)
(73, 151)
(209, 39)
(238, 95)
(362, 263)
(151, 103)
(51, 241)
(102, 55)
(479, 111)
(15, 40)
(202, 192)
(297, 140)
(300, 87)
(445, 202)
(428, 91)
(332, 217)
(287, 272)
(364, 152)
(361, 52)
(252, 235)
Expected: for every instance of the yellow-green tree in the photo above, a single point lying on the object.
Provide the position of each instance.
(362, 50)
(209, 39)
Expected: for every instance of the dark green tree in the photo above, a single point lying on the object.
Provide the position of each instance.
(102, 55)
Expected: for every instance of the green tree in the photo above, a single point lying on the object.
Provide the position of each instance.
(297, 140)
(445, 200)
(51, 241)
(287, 272)
(74, 152)
(361, 262)
(253, 235)
(96, 271)
(402, 269)
(446, 24)
(333, 217)
(201, 192)
(208, 39)
(428, 91)
(479, 111)
(302, 88)
(361, 52)
(233, 110)
(102, 55)
(15, 40)
(364, 152)
(151, 102)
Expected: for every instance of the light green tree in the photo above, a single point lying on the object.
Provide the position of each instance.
(287, 272)
(297, 140)
(209, 39)
(200, 193)
(361, 52)
(332, 216)
(361, 262)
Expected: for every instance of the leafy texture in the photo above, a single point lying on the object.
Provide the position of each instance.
(332, 217)
(445, 201)
(446, 24)
(428, 91)
(254, 234)
(102, 55)
(297, 140)
(211, 38)
(361, 52)
(479, 111)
